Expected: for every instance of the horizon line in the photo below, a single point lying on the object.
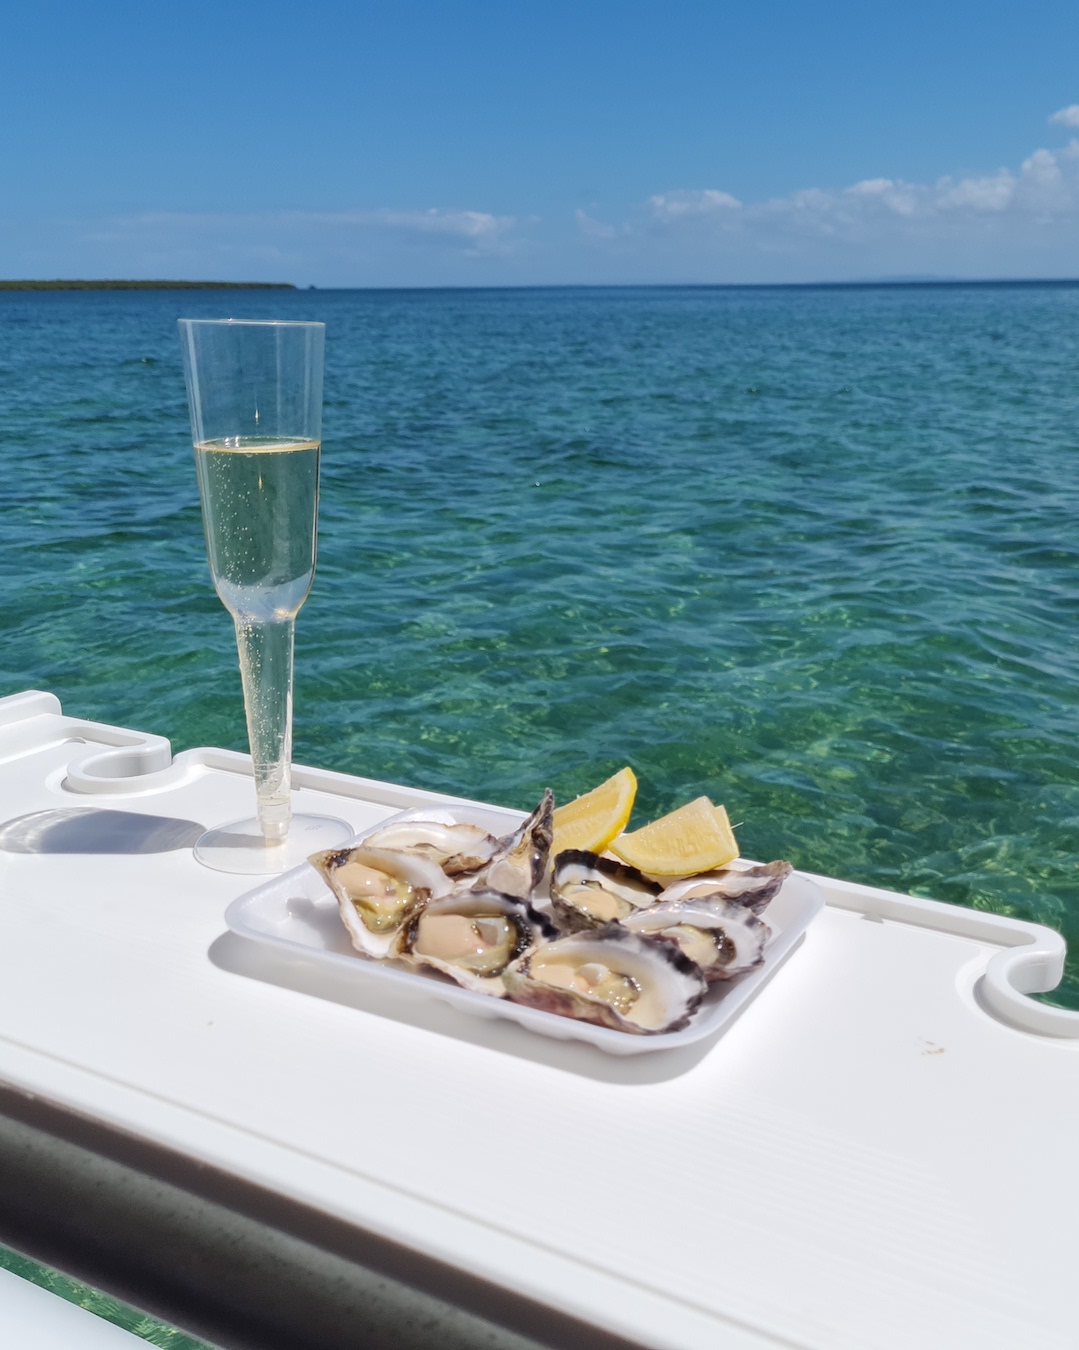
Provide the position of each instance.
(859, 284)
(868, 283)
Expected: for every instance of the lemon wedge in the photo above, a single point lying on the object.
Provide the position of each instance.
(592, 821)
(695, 838)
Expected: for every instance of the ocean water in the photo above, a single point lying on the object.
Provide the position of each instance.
(812, 552)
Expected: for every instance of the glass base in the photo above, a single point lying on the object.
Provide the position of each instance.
(241, 847)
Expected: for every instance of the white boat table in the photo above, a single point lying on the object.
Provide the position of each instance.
(876, 1154)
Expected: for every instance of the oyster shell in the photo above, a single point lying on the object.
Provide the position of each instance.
(753, 886)
(612, 977)
(378, 890)
(473, 936)
(518, 868)
(588, 891)
(721, 936)
(457, 849)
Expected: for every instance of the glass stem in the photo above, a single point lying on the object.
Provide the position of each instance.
(266, 671)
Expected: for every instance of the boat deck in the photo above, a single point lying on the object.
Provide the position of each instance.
(876, 1154)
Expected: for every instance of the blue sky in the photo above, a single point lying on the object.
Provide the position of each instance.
(470, 142)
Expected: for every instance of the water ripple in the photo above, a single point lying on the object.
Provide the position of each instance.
(812, 553)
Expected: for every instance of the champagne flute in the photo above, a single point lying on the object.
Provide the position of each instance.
(255, 396)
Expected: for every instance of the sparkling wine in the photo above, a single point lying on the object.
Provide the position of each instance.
(259, 506)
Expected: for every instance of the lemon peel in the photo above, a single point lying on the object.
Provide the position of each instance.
(694, 838)
(594, 819)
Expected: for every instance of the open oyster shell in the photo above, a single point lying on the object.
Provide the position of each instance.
(612, 977)
(458, 849)
(721, 936)
(518, 868)
(473, 936)
(378, 890)
(588, 891)
(753, 886)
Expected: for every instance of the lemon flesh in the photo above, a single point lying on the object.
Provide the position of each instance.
(592, 821)
(695, 838)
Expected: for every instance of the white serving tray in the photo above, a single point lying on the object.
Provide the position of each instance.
(297, 912)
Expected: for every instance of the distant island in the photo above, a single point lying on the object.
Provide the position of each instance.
(146, 286)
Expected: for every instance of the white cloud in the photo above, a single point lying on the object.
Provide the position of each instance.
(469, 225)
(289, 237)
(1044, 191)
(373, 247)
(899, 197)
(1067, 117)
(474, 225)
(1043, 170)
(993, 193)
(692, 205)
(592, 228)
(1013, 221)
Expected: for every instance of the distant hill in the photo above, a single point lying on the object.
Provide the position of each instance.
(146, 286)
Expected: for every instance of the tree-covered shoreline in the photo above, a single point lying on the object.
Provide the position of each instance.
(146, 286)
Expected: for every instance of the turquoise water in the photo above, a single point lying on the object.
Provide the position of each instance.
(812, 552)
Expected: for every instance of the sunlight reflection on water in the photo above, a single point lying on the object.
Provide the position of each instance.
(810, 552)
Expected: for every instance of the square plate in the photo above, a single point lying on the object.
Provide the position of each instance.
(297, 912)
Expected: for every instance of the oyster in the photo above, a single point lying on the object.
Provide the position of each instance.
(473, 936)
(457, 849)
(519, 866)
(612, 977)
(588, 891)
(721, 936)
(753, 886)
(378, 891)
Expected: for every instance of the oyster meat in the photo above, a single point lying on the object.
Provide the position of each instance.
(612, 977)
(378, 890)
(588, 891)
(721, 936)
(457, 849)
(753, 886)
(473, 936)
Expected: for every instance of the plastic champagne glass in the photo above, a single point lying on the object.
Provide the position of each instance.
(255, 396)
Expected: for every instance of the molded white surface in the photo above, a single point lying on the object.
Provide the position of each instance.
(877, 1154)
(32, 1318)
